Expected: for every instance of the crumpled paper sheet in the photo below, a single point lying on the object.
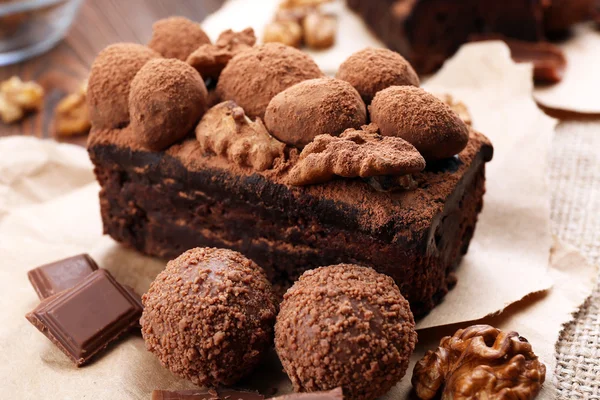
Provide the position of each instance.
(577, 92)
(53, 212)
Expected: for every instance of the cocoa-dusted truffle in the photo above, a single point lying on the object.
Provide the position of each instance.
(347, 326)
(421, 119)
(255, 76)
(371, 70)
(177, 37)
(314, 107)
(109, 82)
(209, 316)
(167, 99)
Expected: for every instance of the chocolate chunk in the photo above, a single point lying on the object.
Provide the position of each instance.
(83, 320)
(549, 62)
(211, 394)
(335, 394)
(55, 277)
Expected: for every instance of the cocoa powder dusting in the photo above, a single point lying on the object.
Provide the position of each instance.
(347, 326)
(177, 37)
(421, 119)
(356, 153)
(372, 70)
(255, 76)
(314, 107)
(110, 80)
(210, 59)
(209, 316)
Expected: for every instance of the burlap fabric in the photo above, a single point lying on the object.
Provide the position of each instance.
(575, 182)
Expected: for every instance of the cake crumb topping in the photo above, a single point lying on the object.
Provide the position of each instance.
(356, 153)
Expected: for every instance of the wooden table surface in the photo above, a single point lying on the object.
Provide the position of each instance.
(99, 23)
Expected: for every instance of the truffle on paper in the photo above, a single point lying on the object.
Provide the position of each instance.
(314, 107)
(253, 77)
(209, 316)
(347, 326)
(168, 97)
(110, 80)
(177, 37)
(421, 119)
(372, 70)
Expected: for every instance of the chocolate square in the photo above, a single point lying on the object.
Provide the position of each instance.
(83, 320)
(49, 279)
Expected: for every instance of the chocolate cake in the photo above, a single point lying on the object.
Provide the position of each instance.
(427, 32)
(291, 203)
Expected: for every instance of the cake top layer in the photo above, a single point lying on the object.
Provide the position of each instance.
(352, 139)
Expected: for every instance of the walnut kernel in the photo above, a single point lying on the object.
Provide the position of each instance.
(18, 97)
(480, 362)
(286, 32)
(457, 106)
(319, 30)
(72, 114)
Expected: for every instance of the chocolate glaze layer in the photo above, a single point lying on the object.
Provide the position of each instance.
(163, 203)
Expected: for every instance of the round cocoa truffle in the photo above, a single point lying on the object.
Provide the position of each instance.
(177, 37)
(167, 99)
(109, 82)
(314, 107)
(421, 119)
(209, 316)
(371, 70)
(255, 76)
(347, 326)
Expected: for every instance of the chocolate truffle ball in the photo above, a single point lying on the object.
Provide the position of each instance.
(371, 70)
(177, 37)
(209, 316)
(347, 326)
(255, 76)
(314, 107)
(421, 119)
(167, 99)
(110, 80)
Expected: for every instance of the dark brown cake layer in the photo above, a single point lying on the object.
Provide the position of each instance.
(427, 32)
(163, 203)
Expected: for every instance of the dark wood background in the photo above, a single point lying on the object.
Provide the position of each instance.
(99, 23)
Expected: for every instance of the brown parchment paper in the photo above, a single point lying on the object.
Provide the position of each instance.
(577, 92)
(53, 212)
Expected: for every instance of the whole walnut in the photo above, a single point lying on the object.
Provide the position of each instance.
(480, 362)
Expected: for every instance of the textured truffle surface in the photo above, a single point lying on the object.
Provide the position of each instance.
(177, 37)
(166, 100)
(372, 70)
(314, 107)
(348, 326)
(109, 82)
(421, 119)
(209, 316)
(253, 77)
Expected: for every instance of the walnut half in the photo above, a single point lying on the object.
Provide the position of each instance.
(480, 362)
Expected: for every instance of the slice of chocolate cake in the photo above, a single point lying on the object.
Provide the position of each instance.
(327, 178)
(427, 32)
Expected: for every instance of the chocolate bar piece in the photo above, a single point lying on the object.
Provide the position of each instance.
(55, 277)
(83, 320)
(212, 394)
(335, 394)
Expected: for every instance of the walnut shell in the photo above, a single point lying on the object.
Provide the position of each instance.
(480, 362)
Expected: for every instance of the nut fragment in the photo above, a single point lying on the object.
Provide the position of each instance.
(480, 362)
(319, 30)
(355, 153)
(18, 97)
(210, 59)
(286, 32)
(457, 106)
(226, 131)
(72, 116)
